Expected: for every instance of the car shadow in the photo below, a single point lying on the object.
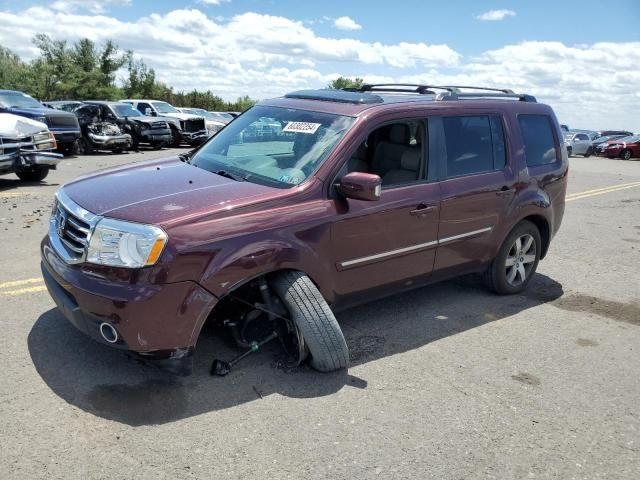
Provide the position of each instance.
(109, 384)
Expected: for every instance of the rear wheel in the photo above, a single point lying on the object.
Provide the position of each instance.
(625, 154)
(34, 174)
(588, 152)
(315, 320)
(517, 260)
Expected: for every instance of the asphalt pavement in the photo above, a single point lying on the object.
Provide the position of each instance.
(446, 382)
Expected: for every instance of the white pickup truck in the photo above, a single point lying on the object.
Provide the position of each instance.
(192, 128)
(26, 148)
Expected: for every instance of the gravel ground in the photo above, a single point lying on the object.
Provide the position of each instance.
(446, 382)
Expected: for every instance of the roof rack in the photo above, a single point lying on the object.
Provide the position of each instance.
(448, 92)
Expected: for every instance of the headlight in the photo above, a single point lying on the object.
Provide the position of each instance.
(44, 141)
(125, 244)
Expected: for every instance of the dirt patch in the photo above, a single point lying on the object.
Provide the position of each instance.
(586, 342)
(528, 378)
(623, 312)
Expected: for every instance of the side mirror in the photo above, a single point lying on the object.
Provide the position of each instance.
(149, 112)
(360, 186)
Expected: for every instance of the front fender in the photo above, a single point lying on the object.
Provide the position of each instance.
(233, 267)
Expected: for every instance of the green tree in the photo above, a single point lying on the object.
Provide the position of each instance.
(341, 83)
(14, 73)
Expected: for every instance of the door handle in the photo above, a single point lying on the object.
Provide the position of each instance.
(505, 191)
(423, 209)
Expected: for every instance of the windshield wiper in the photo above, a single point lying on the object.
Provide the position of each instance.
(232, 176)
(185, 157)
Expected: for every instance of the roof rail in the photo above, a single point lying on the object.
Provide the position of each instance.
(457, 94)
(448, 92)
(405, 88)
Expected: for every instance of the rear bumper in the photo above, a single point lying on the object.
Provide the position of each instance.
(159, 323)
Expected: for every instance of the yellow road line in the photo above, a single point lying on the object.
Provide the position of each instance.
(626, 185)
(601, 192)
(20, 291)
(17, 283)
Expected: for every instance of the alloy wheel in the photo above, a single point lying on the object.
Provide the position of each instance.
(520, 260)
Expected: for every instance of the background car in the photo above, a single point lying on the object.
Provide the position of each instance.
(580, 142)
(154, 131)
(600, 143)
(213, 123)
(98, 132)
(625, 147)
(63, 125)
(26, 148)
(191, 130)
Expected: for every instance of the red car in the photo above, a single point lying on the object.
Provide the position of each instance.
(355, 195)
(625, 148)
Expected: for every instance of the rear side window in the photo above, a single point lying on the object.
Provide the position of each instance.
(474, 144)
(537, 135)
(142, 107)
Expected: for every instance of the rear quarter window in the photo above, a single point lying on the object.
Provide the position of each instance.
(538, 139)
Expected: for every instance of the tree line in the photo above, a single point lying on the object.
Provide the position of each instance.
(84, 70)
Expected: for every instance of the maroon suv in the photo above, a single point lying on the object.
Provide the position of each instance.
(304, 205)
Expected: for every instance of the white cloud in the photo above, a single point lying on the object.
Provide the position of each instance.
(346, 23)
(589, 86)
(496, 15)
(93, 6)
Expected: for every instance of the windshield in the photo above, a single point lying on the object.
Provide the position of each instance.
(630, 139)
(164, 107)
(126, 110)
(604, 138)
(273, 146)
(221, 116)
(18, 100)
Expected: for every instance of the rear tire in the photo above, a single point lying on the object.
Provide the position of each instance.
(315, 320)
(625, 154)
(36, 174)
(517, 258)
(588, 153)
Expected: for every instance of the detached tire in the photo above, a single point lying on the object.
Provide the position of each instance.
(33, 175)
(517, 260)
(315, 320)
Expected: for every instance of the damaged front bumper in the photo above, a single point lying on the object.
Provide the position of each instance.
(159, 323)
(110, 141)
(26, 159)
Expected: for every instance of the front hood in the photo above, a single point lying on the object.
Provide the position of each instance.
(162, 192)
(14, 126)
(145, 120)
(38, 112)
(182, 116)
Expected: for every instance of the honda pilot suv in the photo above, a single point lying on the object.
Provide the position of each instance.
(358, 195)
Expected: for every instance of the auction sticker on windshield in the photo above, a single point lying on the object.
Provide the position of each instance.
(301, 127)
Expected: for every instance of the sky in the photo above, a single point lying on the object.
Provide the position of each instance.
(582, 57)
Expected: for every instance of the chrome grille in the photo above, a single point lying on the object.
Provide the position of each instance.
(158, 125)
(70, 228)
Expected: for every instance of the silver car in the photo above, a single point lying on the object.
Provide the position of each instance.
(580, 143)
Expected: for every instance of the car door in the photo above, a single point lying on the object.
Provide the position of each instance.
(392, 240)
(477, 184)
(581, 144)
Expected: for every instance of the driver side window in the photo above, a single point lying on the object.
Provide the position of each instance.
(395, 152)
